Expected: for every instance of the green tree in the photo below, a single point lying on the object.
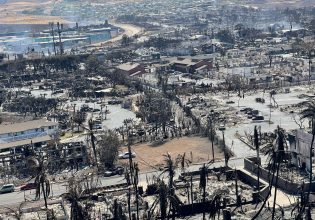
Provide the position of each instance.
(156, 109)
(225, 36)
(79, 118)
(125, 40)
(108, 145)
(92, 64)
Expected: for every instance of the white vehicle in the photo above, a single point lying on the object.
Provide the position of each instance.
(126, 155)
(7, 188)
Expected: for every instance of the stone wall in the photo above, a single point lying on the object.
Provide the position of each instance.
(283, 184)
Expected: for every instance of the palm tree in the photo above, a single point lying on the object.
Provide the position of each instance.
(129, 202)
(118, 211)
(42, 182)
(135, 183)
(276, 154)
(75, 192)
(163, 199)
(280, 155)
(170, 167)
(215, 206)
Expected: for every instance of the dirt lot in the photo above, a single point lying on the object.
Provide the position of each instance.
(11, 12)
(150, 156)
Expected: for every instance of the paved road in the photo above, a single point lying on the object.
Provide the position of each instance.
(15, 198)
(129, 30)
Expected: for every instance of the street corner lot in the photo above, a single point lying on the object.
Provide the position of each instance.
(197, 149)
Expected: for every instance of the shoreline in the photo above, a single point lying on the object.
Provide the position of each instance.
(128, 29)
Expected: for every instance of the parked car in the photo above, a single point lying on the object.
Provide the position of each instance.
(246, 109)
(255, 112)
(141, 132)
(114, 171)
(97, 125)
(258, 118)
(126, 155)
(261, 100)
(28, 186)
(7, 188)
(114, 102)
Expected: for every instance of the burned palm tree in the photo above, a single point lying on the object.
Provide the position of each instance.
(280, 156)
(163, 200)
(170, 169)
(135, 183)
(75, 192)
(276, 157)
(42, 182)
(215, 206)
(238, 197)
(183, 162)
(117, 211)
(131, 167)
(129, 202)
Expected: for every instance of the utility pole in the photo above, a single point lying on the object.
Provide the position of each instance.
(256, 142)
(53, 35)
(130, 138)
(72, 120)
(211, 121)
(60, 28)
(106, 111)
(270, 105)
(309, 67)
(224, 147)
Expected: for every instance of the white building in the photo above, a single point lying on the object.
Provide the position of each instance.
(300, 143)
(34, 132)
